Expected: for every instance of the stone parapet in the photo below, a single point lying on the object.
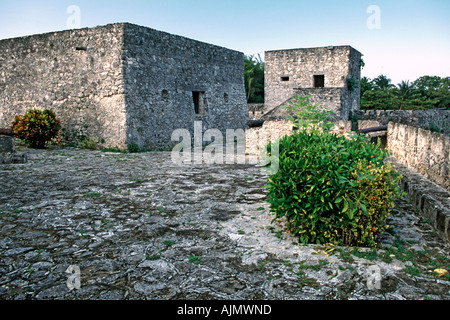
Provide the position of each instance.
(424, 151)
(436, 120)
(431, 200)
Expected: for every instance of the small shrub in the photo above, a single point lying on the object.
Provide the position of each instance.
(332, 189)
(36, 127)
(133, 148)
(88, 143)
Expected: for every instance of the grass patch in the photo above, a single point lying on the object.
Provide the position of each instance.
(194, 259)
(168, 243)
(412, 270)
(92, 195)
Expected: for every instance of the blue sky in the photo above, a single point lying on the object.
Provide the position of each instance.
(412, 39)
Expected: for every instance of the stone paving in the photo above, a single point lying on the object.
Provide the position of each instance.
(140, 227)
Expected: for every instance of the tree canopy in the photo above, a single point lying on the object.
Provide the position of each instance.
(254, 79)
(427, 92)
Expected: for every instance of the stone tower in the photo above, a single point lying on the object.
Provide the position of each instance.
(330, 75)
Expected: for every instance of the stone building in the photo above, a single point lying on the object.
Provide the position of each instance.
(122, 83)
(330, 75)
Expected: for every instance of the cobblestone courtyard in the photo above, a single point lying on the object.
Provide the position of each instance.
(140, 227)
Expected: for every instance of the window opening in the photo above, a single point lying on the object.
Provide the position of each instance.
(200, 103)
(319, 81)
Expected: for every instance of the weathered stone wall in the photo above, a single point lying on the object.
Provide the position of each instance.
(287, 70)
(435, 119)
(424, 151)
(83, 87)
(161, 72)
(327, 98)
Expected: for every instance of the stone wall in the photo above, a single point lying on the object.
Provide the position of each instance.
(288, 70)
(161, 72)
(76, 73)
(257, 138)
(328, 98)
(435, 119)
(426, 152)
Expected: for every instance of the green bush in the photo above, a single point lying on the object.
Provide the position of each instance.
(36, 127)
(332, 189)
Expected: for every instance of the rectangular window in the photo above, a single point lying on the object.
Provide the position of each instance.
(284, 79)
(200, 103)
(319, 81)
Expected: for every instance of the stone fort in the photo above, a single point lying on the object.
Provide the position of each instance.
(123, 83)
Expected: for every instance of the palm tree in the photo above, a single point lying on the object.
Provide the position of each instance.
(382, 83)
(405, 89)
(366, 85)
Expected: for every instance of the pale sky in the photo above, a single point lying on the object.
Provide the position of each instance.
(401, 39)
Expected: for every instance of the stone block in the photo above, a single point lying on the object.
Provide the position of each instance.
(296, 71)
(19, 157)
(7, 144)
(13, 158)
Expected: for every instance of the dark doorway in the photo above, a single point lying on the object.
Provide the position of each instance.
(200, 103)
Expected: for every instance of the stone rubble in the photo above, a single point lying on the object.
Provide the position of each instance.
(141, 227)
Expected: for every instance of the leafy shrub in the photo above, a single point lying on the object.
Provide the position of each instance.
(332, 189)
(36, 127)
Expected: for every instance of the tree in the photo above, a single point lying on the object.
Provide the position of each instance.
(254, 79)
(382, 83)
(366, 85)
(405, 89)
(434, 88)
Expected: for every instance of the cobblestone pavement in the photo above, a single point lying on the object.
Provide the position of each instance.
(140, 227)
